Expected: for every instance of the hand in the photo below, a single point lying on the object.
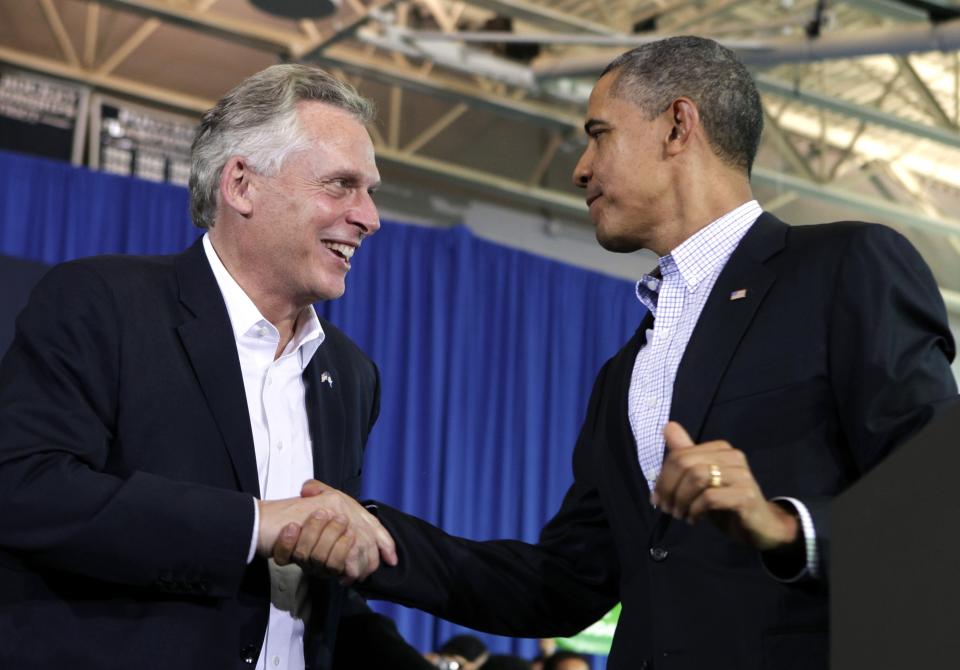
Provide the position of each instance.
(324, 531)
(686, 491)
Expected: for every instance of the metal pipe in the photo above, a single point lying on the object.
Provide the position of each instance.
(768, 52)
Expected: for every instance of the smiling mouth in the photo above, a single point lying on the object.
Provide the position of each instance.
(344, 251)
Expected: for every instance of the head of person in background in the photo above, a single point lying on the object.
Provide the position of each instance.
(566, 660)
(506, 662)
(461, 652)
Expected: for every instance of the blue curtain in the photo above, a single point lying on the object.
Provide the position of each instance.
(487, 354)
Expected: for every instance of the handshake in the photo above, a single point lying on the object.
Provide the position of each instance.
(324, 531)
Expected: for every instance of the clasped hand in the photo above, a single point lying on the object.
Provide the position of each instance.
(325, 531)
(713, 480)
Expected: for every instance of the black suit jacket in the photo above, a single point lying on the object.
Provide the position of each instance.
(839, 350)
(127, 472)
(17, 277)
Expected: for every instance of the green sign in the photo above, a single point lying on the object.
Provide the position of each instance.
(595, 639)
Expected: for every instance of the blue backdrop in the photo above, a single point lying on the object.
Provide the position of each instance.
(487, 354)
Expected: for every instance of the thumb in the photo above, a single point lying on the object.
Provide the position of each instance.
(676, 436)
(311, 487)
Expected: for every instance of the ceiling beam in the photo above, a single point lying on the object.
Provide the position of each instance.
(59, 32)
(245, 32)
(869, 114)
(449, 89)
(106, 82)
(315, 47)
(926, 95)
(871, 207)
(543, 16)
(513, 189)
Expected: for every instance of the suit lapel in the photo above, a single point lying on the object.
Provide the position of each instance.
(209, 342)
(724, 321)
(627, 455)
(326, 415)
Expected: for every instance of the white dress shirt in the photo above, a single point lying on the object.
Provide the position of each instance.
(281, 438)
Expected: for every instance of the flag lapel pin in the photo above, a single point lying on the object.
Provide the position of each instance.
(325, 378)
(739, 294)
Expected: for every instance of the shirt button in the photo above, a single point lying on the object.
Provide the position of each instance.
(279, 446)
(652, 284)
(652, 401)
(262, 331)
(276, 660)
(659, 554)
(269, 380)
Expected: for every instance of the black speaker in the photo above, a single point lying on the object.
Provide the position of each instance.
(895, 548)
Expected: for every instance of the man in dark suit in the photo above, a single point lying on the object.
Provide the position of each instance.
(158, 415)
(781, 365)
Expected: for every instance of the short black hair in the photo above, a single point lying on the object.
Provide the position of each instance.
(653, 75)
(469, 647)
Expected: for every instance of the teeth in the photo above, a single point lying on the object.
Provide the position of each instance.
(344, 250)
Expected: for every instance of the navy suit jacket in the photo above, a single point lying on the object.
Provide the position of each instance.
(127, 472)
(838, 352)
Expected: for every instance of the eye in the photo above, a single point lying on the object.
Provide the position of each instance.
(338, 186)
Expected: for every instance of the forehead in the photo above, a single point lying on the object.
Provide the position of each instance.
(336, 134)
(602, 92)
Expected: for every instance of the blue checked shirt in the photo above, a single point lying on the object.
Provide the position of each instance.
(675, 298)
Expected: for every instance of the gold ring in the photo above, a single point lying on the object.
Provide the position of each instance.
(716, 477)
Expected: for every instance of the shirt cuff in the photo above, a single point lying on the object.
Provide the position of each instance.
(255, 535)
(811, 559)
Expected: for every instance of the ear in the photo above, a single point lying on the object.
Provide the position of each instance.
(685, 119)
(236, 190)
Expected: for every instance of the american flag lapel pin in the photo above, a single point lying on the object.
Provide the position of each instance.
(325, 378)
(739, 294)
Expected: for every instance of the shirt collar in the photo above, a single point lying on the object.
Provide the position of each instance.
(702, 254)
(247, 321)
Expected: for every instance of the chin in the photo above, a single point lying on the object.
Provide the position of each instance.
(619, 244)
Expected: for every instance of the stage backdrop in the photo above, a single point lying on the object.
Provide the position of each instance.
(487, 354)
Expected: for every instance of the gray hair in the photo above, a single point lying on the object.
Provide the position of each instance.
(258, 120)
(653, 75)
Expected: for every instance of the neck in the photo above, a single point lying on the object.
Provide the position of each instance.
(696, 203)
(282, 313)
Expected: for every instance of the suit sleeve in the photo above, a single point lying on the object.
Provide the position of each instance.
(63, 508)
(556, 587)
(890, 352)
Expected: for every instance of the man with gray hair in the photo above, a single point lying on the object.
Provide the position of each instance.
(159, 415)
(776, 366)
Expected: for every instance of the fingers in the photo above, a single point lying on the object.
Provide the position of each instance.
(697, 477)
(736, 499)
(326, 531)
(286, 541)
(688, 470)
(681, 459)
(369, 530)
(676, 436)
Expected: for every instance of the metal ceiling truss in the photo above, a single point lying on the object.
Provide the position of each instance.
(375, 42)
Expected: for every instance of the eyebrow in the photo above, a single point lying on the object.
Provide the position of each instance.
(591, 123)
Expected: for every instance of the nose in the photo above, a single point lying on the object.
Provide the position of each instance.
(583, 170)
(364, 215)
